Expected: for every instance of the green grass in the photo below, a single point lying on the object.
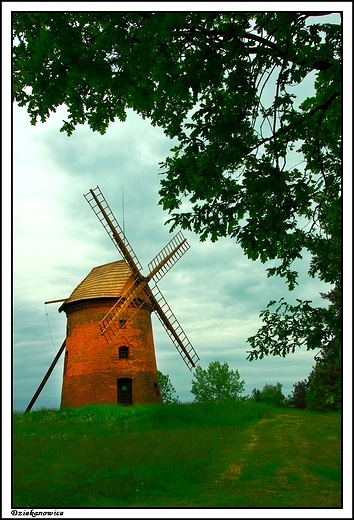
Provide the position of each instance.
(184, 455)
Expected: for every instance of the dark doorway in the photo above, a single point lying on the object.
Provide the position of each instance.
(124, 391)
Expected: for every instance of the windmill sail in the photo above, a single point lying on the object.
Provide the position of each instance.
(159, 266)
(174, 329)
(168, 256)
(139, 292)
(105, 215)
(111, 325)
(130, 299)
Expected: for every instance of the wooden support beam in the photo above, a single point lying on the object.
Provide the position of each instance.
(56, 301)
(45, 378)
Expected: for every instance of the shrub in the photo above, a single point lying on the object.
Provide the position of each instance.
(271, 394)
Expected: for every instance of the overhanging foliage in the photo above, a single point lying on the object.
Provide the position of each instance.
(254, 103)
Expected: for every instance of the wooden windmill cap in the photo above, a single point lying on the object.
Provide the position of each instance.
(104, 281)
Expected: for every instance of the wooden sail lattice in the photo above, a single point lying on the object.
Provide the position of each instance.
(162, 263)
(105, 215)
(139, 292)
(174, 329)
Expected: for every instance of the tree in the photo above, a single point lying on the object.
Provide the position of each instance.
(324, 392)
(297, 399)
(253, 101)
(271, 394)
(167, 389)
(321, 391)
(216, 384)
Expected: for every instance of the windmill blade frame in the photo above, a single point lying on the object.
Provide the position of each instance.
(174, 329)
(105, 215)
(158, 267)
(167, 257)
(129, 298)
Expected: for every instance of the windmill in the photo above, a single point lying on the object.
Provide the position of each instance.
(109, 348)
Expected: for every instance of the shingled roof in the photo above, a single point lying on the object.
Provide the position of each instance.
(104, 281)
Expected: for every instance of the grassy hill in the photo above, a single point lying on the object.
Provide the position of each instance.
(185, 455)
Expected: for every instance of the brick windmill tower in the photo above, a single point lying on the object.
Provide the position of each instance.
(109, 346)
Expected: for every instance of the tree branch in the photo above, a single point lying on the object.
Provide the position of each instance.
(285, 129)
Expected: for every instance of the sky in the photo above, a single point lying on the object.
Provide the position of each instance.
(214, 290)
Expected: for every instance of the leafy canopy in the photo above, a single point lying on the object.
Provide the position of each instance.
(253, 101)
(217, 383)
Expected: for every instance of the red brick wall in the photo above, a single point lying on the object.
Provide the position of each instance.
(92, 365)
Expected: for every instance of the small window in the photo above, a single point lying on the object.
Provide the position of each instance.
(123, 352)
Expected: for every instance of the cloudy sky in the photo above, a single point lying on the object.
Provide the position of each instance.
(214, 290)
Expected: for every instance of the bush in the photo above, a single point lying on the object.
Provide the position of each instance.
(271, 394)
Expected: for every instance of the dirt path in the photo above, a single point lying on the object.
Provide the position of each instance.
(288, 461)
